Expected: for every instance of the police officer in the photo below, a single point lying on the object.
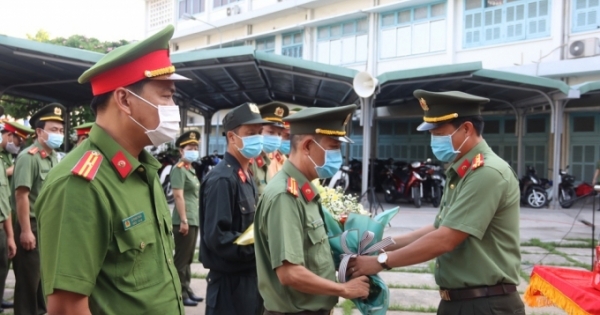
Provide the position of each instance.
(186, 189)
(105, 227)
(295, 269)
(13, 136)
(31, 170)
(478, 221)
(227, 204)
(83, 132)
(264, 166)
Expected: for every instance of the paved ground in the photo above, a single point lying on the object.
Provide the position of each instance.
(413, 289)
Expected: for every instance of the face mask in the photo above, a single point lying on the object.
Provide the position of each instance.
(253, 145)
(12, 148)
(333, 162)
(191, 155)
(271, 143)
(285, 147)
(443, 149)
(168, 126)
(54, 140)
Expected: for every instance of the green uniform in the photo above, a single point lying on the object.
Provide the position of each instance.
(184, 177)
(289, 227)
(31, 170)
(106, 231)
(5, 211)
(489, 216)
(259, 167)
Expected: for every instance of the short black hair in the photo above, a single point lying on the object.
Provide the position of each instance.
(296, 139)
(40, 124)
(234, 130)
(100, 101)
(477, 122)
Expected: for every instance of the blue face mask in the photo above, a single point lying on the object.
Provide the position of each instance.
(191, 155)
(253, 145)
(332, 164)
(443, 149)
(285, 147)
(271, 143)
(54, 140)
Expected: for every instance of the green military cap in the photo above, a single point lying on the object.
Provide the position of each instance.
(442, 107)
(83, 129)
(330, 122)
(188, 137)
(275, 112)
(128, 64)
(245, 114)
(50, 112)
(18, 129)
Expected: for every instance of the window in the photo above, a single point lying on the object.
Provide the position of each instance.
(536, 125)
(220, 3)
(413, 31)
(585, 15)
(386, 128)
(190, 7)
(342, 43)
(584, 124)
(357, 129)
(292, 45)
(266, 44)
(488, 22)
(583, 162)
(492, 127)
(509, 126)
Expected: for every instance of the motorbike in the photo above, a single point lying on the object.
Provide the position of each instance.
(566, 189)
(533, 189)
(167, 160)
(355, 175)
(340, 179)
(434, 180)
(403, 181)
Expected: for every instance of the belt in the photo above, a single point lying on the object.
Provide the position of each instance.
(321, 312)
(479, 292)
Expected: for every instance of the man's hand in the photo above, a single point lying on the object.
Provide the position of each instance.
(184, 228)
(12, 247)
(363, 266)
(27, 240)
(356, 288)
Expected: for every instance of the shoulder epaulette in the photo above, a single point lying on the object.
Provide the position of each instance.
(180, 164)
(292, 187)
(33, 150)
(477, 161)
(88, 165)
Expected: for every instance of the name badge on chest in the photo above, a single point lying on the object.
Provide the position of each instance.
(133, 220)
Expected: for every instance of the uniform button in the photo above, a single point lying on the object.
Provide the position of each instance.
(142, 245)
(451, 186)
(439, 217)
(170, 261)
(121, 163)
(244, 209)
(437, 265)
(141, 169)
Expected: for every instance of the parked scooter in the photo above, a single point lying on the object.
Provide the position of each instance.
(533, 190)
(434, 180)
(566, 189)
(355, 175)
(167, 159)
(404, 182)
(340, 179)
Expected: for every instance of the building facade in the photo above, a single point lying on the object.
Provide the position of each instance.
(557, 39)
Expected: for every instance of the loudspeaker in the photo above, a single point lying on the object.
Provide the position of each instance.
(364, 84)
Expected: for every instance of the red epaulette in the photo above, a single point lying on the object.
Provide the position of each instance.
(292, 187)
(477, 161)
(88, 165)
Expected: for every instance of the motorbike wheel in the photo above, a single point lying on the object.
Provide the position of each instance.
(416, 194)
(567, 200)
(436, 199)
(168, 190)
(536, 198)
(389, 191)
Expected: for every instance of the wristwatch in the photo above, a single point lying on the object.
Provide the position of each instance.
(184, 221)
(382, 260)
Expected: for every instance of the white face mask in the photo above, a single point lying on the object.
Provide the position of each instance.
(168, 126)
(12, 148)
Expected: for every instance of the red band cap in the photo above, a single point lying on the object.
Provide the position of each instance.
(83, 132)
(150, 65)
(13, 129)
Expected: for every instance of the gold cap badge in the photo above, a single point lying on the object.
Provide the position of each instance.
(254, 108)
(192, 135)
(279, 112)
(423, 104)
(57, 111)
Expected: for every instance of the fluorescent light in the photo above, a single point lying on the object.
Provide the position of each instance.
(48, 58)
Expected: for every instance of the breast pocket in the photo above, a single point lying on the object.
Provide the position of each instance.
(247, 209)
(138, 264)
(318, 253)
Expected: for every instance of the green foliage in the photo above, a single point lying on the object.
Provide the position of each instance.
(78, 41)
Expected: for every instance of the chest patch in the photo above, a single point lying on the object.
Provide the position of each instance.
(133, 220)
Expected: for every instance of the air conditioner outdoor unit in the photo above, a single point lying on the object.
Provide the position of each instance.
(584, 48)
(236, 9)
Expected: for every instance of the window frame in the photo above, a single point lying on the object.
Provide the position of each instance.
(191, 4)
(355, 34)
(574, 17)
(265, 40)
(222, 3)
(295, 48)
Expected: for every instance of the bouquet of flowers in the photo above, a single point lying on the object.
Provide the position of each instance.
(353, 232)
